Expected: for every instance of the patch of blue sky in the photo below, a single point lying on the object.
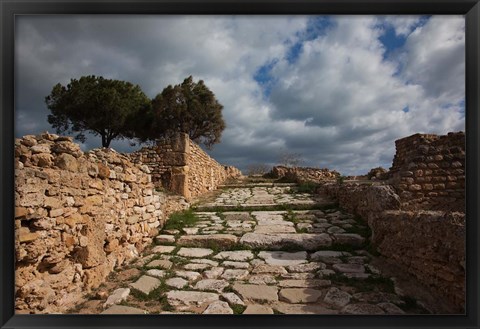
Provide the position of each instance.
(393, 41)
(316, 27)
(264, 77)
(406, 109)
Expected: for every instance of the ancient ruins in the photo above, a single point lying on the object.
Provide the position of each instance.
(167, 229)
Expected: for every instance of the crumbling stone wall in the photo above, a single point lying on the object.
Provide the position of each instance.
(428, 171)
(304, 174)
(418, 222)
(428, 244)
(77, 216)
(181, 166)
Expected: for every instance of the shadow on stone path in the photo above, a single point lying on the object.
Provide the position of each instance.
(256, 249)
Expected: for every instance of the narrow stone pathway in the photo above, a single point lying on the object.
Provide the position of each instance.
(257, 248)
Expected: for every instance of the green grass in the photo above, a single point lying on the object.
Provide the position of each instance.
(181, 219)
(154, 295)
(238, 309)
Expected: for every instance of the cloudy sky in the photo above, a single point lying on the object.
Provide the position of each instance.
(336, 90)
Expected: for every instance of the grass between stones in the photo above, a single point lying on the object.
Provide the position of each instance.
(181, 219)
(155, 296)
(238, 309)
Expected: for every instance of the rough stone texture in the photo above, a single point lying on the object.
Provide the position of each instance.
(233, 298)
(305, 241)
(429, 245)
(337, 297)
(362, 309)
(255, 292)
(238, 255)
(218, 307)
(428, 172)
(194, 252)
(211, 284)
(181, 166)
(283, 258)
(258, 309)
(418, 221)
(162, 263)
(78, 216)
(184, 300)
(117, 296)
(302, 174)
(286, 308)
(120, 309)
(299, 295)
(156, 273)
(220, 240)
(146, 284)
(178, 283)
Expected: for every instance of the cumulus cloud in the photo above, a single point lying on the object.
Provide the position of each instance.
(319, 87)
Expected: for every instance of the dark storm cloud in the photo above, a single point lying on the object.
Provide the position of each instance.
(339, 103)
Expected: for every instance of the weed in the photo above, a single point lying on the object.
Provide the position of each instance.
(154, 295)
(341, 179)
(238, 309)
(179, 220)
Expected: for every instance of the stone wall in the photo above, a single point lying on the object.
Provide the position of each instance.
(428, 171)
(428, 244)
(78, 216)
(418, 221)
(303, 174)
(181, 166)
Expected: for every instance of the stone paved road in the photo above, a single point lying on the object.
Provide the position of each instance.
(256, 261)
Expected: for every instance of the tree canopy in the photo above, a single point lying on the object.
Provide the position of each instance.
(112, 109)
(190, 107)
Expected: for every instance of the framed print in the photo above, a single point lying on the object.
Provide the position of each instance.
(279, 164)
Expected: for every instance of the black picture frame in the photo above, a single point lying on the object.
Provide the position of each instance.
(9, 9)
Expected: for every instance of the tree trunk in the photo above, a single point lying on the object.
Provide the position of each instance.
(105, 141)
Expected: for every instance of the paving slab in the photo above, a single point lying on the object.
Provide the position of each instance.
(211, 285)
(287, 308)
(194, 252)
(299, 295)
(283, 258)
(162, 263)
(235, 274)
(337, 297)
(233, 299)
(178, 283)
(304, 283)
(219, 240)
(304, 241)
(117, 297)
(238, 255)
(163, 249)
(146, 284)
(218, 307)
(183, 300)
(120, 309)
(255, 292)
(258, 309)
